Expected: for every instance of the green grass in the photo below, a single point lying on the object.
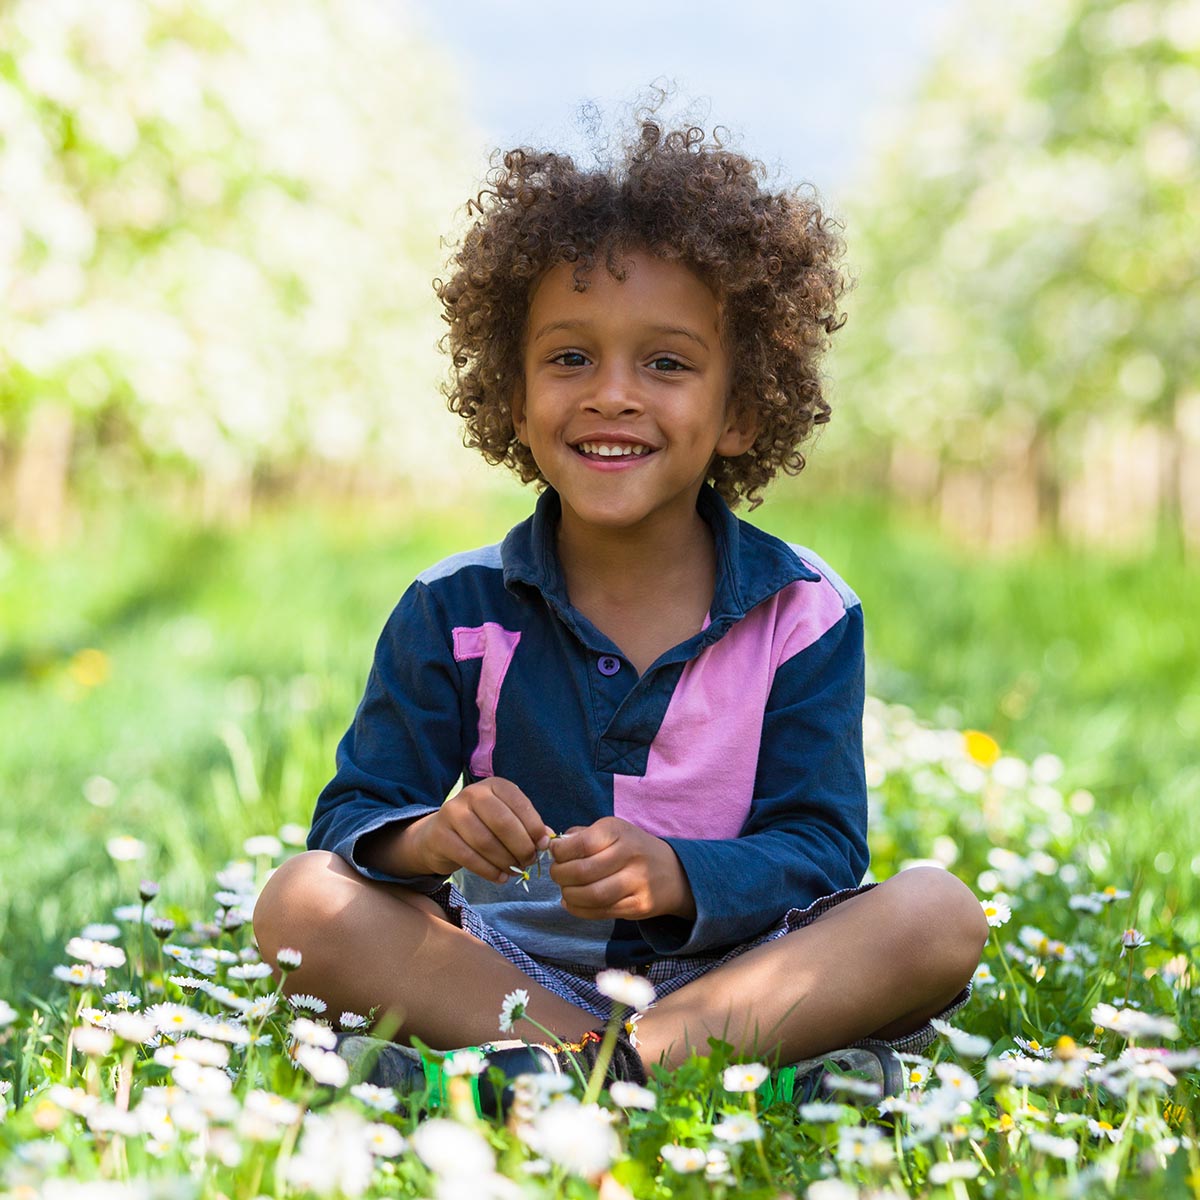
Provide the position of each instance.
(235, 658)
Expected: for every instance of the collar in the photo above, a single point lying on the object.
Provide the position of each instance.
(751, 565)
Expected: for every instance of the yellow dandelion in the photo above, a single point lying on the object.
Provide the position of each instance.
(983, 748)
(90, 668)
(1006, 1123)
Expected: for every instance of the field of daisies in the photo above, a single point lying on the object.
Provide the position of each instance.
(163, 1058)
(167, 729)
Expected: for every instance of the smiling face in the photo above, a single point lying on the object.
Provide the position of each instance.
(626, 393)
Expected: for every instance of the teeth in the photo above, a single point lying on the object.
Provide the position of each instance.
(613, 450)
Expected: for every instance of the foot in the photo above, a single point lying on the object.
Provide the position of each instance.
(862, 1074)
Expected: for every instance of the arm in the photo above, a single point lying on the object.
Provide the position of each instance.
(805, 835)
(385, 811)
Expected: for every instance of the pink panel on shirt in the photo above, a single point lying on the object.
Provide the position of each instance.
(496, 646)
(699, 778)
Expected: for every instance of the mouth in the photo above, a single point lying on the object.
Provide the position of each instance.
(612, 451)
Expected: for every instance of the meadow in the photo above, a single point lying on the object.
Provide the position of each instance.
(170, 689)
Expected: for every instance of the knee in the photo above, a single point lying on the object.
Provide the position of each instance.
(300, 902)
(947, 918)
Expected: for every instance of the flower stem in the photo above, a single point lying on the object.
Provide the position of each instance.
(607, 1046)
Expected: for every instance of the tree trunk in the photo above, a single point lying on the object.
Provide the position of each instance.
(42, 474)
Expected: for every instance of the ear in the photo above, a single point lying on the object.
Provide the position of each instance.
(517, 405)
(741, 429)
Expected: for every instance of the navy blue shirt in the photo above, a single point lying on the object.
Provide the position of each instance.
(741, 746)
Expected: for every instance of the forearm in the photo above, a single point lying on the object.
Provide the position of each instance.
(398, 849)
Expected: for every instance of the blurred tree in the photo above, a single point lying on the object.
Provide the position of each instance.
(218, 226)
(1022, 342)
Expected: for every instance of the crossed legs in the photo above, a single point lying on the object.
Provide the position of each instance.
(878, 964)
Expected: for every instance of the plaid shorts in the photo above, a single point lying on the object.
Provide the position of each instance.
(576, 983)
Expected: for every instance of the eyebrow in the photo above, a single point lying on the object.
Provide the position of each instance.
(682, 331)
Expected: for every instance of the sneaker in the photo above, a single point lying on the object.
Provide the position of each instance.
(408, 1072)
(863, 1074)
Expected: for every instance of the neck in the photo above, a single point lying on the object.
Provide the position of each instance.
(627, 563)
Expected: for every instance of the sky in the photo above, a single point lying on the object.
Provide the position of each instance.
(797, 81)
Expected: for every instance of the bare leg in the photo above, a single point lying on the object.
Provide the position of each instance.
(372, 945)
(878, 964)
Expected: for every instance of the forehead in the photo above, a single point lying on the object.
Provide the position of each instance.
(649, 288)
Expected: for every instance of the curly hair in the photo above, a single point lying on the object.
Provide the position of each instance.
(770, 259)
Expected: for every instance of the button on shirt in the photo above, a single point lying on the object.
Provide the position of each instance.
(741, 746)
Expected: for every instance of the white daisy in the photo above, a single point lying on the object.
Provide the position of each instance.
(944, 1172)
(634, 991)
(81, 975)
(323, 1065)
(384, 1141)
(513, 1009)
(122, 999)
(466, 1062)
(684, 1160)
(352, 1021)
(632, 1095)
(259, 970)
(969, 1045)
(288, 959)
(8, 1014)
(744, 1077)
(740, 1127)
(381, 1099)
(312, 1033)
(103, 932)
(996, 911)
(264, 845)
(306, 1003)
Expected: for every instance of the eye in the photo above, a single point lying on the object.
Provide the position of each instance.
(665, 364)
(570, 358)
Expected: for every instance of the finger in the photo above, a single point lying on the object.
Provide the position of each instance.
(522, 808)
(580, 841)
(603, 903)
(474, 862)
(475, 835)
(506, 828)
(580, 872)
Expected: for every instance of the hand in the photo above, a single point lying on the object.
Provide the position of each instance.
(487, 828)
(612, 869)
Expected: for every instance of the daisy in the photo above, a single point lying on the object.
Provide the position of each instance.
(969, 1045)
(187, 983)
(632, 1095)
(323, 1065)
(352, 1021)
(1131, 939)
(634, 991)
(384, 1141)
(307, 1003)
(1034, 1047)
(8, 1014)
(513, 1009)
(1103, 1129)
(740, 1127)
(382, 1099)
(312, 1033)
(956, 1082)
(273, 1107)
(122, 999)
(221, 1030)
(244, 971)
(125, 848)
(466, 1062)
(944, 1172)
(578, 1137)
(260, 1009)
(104, 932)
(996, 912)
(133, 1028)
(288, 959)
(1131, 1023)
(821, 1112)
(685, 1160)
(744, 1077)
(173, 1018)
(983, 976)
(81, 975)
(1063, 1148)
(452, 1150)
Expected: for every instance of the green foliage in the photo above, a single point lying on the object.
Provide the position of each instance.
(217, 240)
(1024, 243)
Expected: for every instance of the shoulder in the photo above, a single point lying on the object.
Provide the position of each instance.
(485, 558)
(814, 562)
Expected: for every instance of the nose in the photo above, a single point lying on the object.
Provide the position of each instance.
(615, 393)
